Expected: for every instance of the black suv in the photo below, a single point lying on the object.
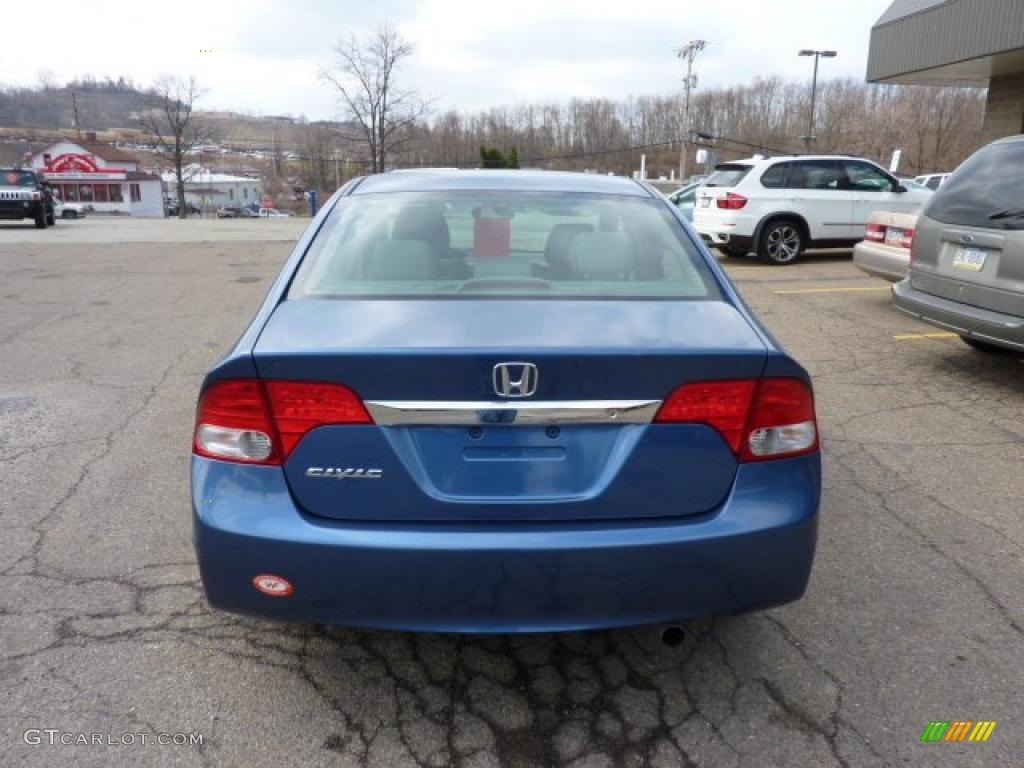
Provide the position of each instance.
(23, 195)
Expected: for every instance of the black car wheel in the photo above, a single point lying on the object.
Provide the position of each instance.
(41, 220)
(781, 243)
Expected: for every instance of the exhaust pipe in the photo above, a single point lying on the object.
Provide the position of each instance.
(673, 636)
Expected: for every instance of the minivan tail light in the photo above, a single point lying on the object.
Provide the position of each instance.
(731, 201)
(908, 239)
(255, 422)
(759, 418)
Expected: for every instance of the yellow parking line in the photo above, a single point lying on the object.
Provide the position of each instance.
(918, 336)
(836, 290)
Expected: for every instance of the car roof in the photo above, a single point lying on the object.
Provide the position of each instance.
(787, 158)
(436, 179)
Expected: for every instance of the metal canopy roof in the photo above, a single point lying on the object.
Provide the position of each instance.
(947, 42)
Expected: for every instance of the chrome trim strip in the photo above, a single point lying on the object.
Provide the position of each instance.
(454, 413)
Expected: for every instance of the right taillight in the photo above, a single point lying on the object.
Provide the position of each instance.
(760, 419)
(254, 422)
(908, 241)
(782, 421)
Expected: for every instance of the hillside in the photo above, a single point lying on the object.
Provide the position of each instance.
(106, 107)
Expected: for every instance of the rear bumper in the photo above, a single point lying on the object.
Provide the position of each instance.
(724, 227)
(964, 319)
(754, 551)
(881, 261)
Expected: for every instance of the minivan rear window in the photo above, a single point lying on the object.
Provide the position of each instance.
(986, 191)
(517, 244)
(727, 175)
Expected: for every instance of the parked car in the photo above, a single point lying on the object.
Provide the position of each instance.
(413, 436)
(780, 206)
(885, 250)
(274, 213)
(248, 213)
(173, 209)
(967, 264)
(62, 210)
(684, 198)
(932, 180)
(24, 195)
(914, 184)
(229, 212)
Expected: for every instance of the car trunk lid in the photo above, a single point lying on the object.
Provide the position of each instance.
(447, 447)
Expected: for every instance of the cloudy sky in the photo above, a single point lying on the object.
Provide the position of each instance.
(265, 55)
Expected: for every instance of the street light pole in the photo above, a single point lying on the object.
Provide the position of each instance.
(814, 92)
(687, 53)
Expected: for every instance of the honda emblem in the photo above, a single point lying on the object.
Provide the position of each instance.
(515, 379)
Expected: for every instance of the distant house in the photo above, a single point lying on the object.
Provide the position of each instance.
(100, 176)
(209, 190)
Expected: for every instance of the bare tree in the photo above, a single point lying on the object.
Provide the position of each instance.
(167, 113)
(364, 75)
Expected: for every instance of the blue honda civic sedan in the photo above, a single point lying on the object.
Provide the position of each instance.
(503, 401)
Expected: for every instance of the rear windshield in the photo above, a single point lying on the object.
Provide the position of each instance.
(727, 175)
(506, 244)
(986, 191)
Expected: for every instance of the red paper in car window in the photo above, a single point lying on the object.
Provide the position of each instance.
(492, 235)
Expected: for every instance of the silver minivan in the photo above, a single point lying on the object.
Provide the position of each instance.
(967, 259)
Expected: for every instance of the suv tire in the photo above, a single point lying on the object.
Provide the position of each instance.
(41, 220)
(984, 346)
(781, 242)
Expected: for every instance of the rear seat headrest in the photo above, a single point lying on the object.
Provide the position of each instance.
(401, 260)
(603, 255)
(422, 222)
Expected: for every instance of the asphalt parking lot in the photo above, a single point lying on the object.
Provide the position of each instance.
(915, 610)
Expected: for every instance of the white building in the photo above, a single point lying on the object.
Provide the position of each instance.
(101, 177)
(209, 190)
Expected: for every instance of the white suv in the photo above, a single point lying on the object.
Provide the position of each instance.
(779, 206)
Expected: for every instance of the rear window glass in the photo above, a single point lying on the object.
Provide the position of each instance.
(775, 177)
(727, 175)
(506, 244)
(986, 191)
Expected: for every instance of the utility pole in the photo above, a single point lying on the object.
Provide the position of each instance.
(687, 53)
(74, 113)
(814, 92)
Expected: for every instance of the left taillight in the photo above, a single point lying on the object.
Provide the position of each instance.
(875, 233)
(731, 201)
(249, 421)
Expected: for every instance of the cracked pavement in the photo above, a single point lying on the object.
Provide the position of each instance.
(915, 610)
